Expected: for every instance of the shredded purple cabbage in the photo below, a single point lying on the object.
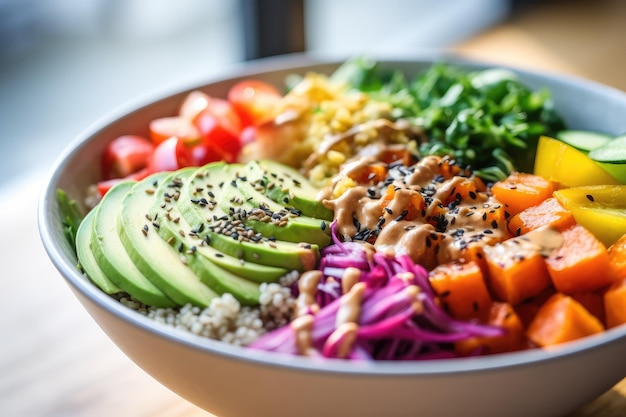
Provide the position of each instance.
(398, 319)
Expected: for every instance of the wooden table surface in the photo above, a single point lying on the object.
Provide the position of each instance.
(55, 361)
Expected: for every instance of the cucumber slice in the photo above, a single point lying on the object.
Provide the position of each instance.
(613, 152)
(584, 140)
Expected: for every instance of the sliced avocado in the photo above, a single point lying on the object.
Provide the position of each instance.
(111, 256)
(199, 206)
(86, 259)
(161, 263)
(286, 186)
(175, 229)
(269, 217)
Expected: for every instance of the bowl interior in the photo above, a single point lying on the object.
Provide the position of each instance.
(584, 105)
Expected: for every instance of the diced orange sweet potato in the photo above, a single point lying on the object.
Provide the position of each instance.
(527, 309)
(562, 319)
(500, 315)
(615, 303)
(461, 289)
(520, 191)
(463, 190)
(397, 154)
(581, 263)
(410, 200)
(369, 174)
(593, 301)
(617, 257)
(475, 252)
(516, 271)
(548, 213)
(448, 168)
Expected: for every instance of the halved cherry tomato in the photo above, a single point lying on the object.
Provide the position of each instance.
(217, 137)
(203, 154)
(125, 155)
(194, 103)
(170, 155)
(104, 186)
(219, 127)
(255, 101)
(165, 127)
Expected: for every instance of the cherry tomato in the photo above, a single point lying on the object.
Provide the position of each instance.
(255, 101)
(170, 155)
(194, 103)
(125, 155)
(165, 127)
(203, 154)
(104, 186)
(220, 127)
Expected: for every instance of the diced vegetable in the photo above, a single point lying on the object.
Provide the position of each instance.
(600, 208)
(520, 191)
(499, 315)
(125, 155)
(593, 301)
(548, 213)
(256, 102)
(175, 126)
(562, 319)
(461, 289)
(617, 257)
(581, 263)
(615, 304)
(559, 162)
(516, 271)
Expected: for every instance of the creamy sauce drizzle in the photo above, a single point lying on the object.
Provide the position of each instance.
(455, 214)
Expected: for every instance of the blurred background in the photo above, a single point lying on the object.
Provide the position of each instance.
(66, 63)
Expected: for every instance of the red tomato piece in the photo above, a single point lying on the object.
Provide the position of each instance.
(165, 127)
(219, 127)
(194, 103)
(125, 155)
(104, 186)
(170, 155)
(255, 101)
(203, 154)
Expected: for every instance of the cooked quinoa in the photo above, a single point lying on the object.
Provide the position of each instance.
(225, 319)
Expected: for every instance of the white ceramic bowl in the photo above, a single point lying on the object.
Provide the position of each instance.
(231, 381)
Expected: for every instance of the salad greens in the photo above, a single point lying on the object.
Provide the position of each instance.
(487, 120)
(71, 217)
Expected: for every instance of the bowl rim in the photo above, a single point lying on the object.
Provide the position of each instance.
(295, 62)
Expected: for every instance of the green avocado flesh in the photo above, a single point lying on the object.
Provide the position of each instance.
(286, 186)
(210, 211)
(185, 237)
(87, 261)
(109, 252)
(152, 255)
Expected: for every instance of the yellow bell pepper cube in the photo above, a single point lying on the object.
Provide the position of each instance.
(567, 166)
(601, 209)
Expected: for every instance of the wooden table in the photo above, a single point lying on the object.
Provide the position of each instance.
(55, 361)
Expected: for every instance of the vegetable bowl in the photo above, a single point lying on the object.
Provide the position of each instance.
(267, 377)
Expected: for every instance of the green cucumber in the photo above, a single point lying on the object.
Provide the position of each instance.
(584, 140)
(612, 152)
(612, 157)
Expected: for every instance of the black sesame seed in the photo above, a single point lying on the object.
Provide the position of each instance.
(590, 197)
